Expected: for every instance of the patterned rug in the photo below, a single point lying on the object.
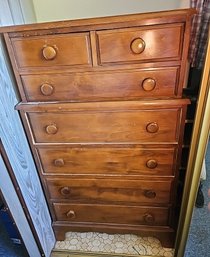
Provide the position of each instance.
(130, 245)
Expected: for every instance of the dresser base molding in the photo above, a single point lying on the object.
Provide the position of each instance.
(165, 235)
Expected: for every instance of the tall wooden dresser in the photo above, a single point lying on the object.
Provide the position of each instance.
(102, 106)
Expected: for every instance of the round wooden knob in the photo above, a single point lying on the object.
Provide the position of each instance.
(150, 194)
(151, 164)
(51, 129)
(46, 89)
(152, 127)
(137, 45)
(49, 52)
(149, 84)
(65, 191)
(71, 214)
(149, 218)
(59, 162)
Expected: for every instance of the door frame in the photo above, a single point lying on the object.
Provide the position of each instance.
(199, 141)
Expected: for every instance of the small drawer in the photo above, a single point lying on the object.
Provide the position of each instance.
(143, 44)
(110, 190)
(151, 83)
(108, 160)
(60, 50)
(132, 215)
(117, 122)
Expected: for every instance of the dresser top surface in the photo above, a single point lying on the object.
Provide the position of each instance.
(140, 19)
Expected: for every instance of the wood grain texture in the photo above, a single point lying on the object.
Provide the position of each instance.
(16, 146)
(121, 106)
(116, 191)
(119, 214)
(106, 131)
(163, 42)
(90, 86)
(118, 160)
(29, 51)
(109, 126)
(65, 253)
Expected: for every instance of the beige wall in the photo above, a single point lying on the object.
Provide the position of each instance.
(184, 3)
(49, 10)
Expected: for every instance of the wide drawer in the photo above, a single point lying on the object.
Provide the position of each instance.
(106, 125)
(47, 51)
(110, 190)
(150, 83)
(143, 44)
(124, 160)
(132, 215)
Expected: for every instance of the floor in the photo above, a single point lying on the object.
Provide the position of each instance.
(197, 246)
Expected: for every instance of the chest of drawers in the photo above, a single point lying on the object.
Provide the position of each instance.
(103, 111)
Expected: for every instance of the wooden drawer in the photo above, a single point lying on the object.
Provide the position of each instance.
(110, 190)
(142, 44)
(48, 51)
(133, 215)
(124, 160)
(102, 85)
(108, 122)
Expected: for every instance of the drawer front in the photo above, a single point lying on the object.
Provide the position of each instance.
(133, 215)
(101, 85)
(110, 190)
(108, 160)
(146, 44)
(129, 126)
(48, 51)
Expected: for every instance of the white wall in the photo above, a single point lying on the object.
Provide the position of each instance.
(50, 10)
(184, 3)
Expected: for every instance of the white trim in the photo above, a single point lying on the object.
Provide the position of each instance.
(16, 12)
(5, 13)
(27, 8)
